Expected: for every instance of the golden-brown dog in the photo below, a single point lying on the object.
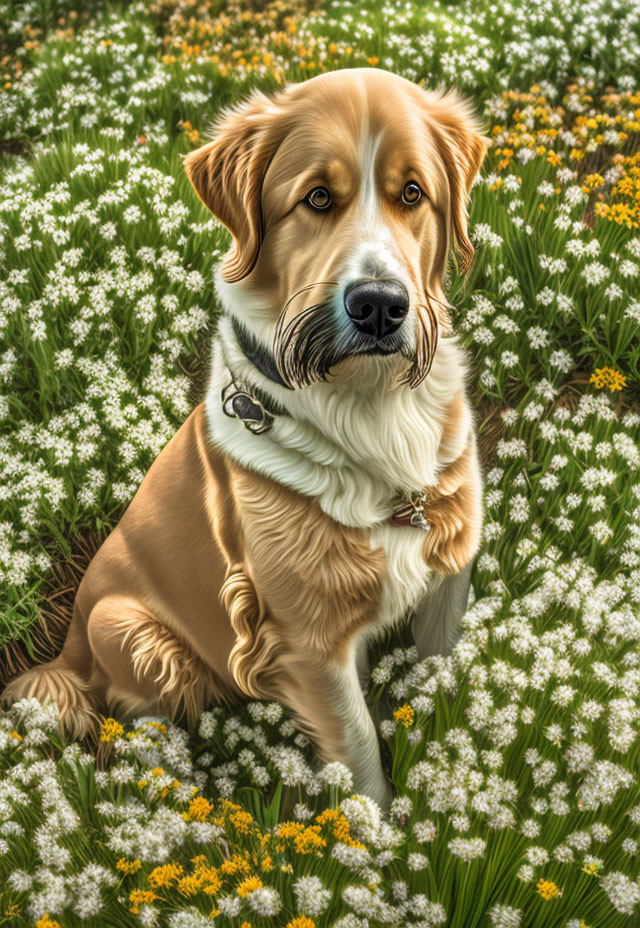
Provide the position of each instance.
(328, 486)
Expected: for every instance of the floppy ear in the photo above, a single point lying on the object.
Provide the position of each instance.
(462, 147)
(227, 174)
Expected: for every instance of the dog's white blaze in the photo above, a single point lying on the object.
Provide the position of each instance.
(374, 256)
(368, 196)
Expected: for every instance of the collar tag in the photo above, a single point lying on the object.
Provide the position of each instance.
(412, 512)
(238, 403)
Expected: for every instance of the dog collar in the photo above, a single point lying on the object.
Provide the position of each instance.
(257, 354)
(412, 512)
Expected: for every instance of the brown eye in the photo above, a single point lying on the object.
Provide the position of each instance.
(411, 193)
(319, 198)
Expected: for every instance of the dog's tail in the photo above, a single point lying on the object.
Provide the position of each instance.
(62, 682)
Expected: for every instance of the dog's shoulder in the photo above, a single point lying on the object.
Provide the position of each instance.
(180, 527)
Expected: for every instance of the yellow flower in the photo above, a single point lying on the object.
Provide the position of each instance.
(341, 831)
(247, 886)
(14, 734)
(139, 897)
(301, 922)
(547, 889)
(164, 875)
(289, 829)
(128, 866)
(309, 840)
(405, 715)
(110, 730)
(46, 922)
(329, 815)
(242, 820)
(189, 885)
(592, 869)
(592, 181)
(608, 377)
(199, 808)
(373, 61)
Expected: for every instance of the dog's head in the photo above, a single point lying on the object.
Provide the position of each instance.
(344, 195)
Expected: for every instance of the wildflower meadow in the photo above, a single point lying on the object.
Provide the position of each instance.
(514, 760)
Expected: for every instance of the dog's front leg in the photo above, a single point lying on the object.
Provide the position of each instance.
(435, 623)
(330, 707)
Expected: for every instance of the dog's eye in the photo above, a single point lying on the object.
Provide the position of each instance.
(319, 198)
(411, 193)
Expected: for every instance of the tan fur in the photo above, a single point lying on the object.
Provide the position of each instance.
(319, 592)
(453, 427)
(219, 582)
(72, 693)
(454, 509)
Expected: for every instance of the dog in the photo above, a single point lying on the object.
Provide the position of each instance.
(329, 486)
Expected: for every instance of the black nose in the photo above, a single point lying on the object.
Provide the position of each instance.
(376, 307)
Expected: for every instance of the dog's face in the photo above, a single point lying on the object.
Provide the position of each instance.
(343, 195)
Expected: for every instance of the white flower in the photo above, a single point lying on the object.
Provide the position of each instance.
(562, 360)
(504, 916)
(518, 508)
(595, 273)
(20, 881)
(484, 234)
(364, 817)
(311, 896)
(229, 905)
(189, 918)
(467, 849)
(545, 189)
(424, 831)
(265, 901)
(623, 893)
(538, 337)
(628, 269)
(337, 774)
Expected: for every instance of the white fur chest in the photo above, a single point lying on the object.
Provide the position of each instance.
(406, 578)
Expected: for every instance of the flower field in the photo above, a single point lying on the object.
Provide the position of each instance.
(515, 759)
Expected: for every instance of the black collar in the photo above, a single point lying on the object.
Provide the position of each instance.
(259, 356)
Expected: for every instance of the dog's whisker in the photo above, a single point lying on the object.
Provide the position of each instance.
(318, 283)
(301, 347)
(426, 341)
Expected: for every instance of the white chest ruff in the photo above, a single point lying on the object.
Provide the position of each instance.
(407, 577)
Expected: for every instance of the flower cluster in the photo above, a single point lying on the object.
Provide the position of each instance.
(163, 851)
